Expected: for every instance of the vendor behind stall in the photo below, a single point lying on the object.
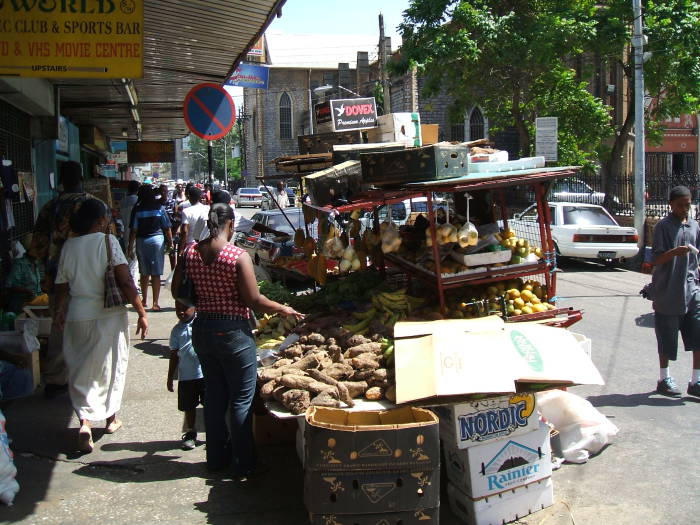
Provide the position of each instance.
(23, 283)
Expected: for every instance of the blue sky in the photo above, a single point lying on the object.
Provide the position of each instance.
(336, 17)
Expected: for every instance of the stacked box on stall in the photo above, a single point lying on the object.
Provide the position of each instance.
(497, 458)
(372, 467)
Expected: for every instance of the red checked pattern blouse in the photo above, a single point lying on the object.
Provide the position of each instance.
(215, 284)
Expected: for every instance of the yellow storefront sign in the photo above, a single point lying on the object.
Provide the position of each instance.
(71, 38)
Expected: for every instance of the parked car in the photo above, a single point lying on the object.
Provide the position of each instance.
(401, 211)
(265, 248)
(584, 231)
(247, 197)
(268, 205)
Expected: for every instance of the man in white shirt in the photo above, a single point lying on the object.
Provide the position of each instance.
(280, 195)
(194, 219)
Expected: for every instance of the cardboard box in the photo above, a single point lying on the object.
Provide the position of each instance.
(336, 440)
(400, 127)
(500, 465)
(475, 422)
(269, 430)
(443, 360)
(501, 508)
(370, 492)
(42, 317)
(421, 516)
(429, 134)
(499, 156)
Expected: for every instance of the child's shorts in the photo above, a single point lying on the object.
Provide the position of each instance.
(190, 394)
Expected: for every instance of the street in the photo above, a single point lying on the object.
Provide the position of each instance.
(140, 475)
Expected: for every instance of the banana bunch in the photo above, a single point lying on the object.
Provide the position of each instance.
(388, 308)
(272, 330)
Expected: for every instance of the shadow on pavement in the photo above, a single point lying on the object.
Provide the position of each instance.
(566, 265)
(635, 400)
(645, 320)
(154, 347)
(40, 434)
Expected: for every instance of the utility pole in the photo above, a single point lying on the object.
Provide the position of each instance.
(210, 152)
(639, 175)
(382, 67)
(225, 181)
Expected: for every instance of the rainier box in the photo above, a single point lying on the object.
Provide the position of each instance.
(500, 465)
(464, 425)
(398, 439)
(439, 161)
(503, 507)
(419, 516)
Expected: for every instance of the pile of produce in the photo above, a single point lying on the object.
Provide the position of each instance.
(329, 370)
(520, 248)
(357, 287)
(272, 330)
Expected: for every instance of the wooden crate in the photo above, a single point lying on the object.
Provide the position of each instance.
(324, 142)
(341, 181)
(345, 152)
(439, 161)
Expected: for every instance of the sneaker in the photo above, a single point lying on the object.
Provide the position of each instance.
(694, 389)
(189, 441)
(668, 387)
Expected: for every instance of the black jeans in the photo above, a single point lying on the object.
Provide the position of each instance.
(227, 352)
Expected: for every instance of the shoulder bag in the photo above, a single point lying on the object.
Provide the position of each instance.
(113, 294)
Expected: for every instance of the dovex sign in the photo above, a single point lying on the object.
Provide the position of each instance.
(497, 421)
(354, 113)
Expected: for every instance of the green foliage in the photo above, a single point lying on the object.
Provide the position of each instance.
(513, 58)
(220, 148)
(275, 291)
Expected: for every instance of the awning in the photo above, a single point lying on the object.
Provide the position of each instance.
(186, 42)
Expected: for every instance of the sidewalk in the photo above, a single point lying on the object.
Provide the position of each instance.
(140, 475)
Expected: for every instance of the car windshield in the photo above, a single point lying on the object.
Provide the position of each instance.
(587, 216)
(249, 190)
(279, 223)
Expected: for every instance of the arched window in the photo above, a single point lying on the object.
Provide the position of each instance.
(285, 116)
(476, 125)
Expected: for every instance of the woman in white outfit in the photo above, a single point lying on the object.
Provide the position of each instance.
(96, 339)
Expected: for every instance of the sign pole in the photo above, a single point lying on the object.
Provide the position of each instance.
(639, 175)
(210, 152)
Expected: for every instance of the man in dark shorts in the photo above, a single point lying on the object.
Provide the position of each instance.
(675, 290)
(184, 362)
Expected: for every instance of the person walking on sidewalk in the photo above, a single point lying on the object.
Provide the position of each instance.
(190, 381)
(51, 230)
(225, 290)
(151, 237)
(95, 338)
(676, 290)
(126, 207)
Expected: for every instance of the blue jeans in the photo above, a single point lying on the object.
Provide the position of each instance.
(227, 353)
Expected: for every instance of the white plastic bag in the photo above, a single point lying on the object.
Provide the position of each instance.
(8, 485)
(583, 430)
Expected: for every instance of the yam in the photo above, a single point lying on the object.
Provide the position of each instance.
(282, 362)
(366, 360)
(343, 393)
(371, 348)
(293, 371)
(316, 387)
(293, 351)
(267, 389)
(356, 340)
(268, 374)
(306, 362)
(390, 393)
(278, 392)
(295, 381)
(374, 394)
(315, 339)
(380, 374)
(327, 398)
(339, 371)
(297, 401)
(363, 374)
(356, 388)
(335, 352)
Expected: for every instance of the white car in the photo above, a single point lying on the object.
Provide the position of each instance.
(584, 231)
(247, 197)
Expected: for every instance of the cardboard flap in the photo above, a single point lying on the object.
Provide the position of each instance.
(412, 329)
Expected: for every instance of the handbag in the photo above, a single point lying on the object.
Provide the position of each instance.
(185, 292)
(113, 294)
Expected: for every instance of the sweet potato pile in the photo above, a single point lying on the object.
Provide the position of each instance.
(327, 370)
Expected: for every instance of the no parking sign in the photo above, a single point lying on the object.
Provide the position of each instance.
(209, 111)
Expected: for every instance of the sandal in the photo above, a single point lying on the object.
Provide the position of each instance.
(85, 443)
(113, 426)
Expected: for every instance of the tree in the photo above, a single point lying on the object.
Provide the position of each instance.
(513, 58)
(222, 148)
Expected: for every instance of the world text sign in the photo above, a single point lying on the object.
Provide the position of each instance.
(71, 38)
